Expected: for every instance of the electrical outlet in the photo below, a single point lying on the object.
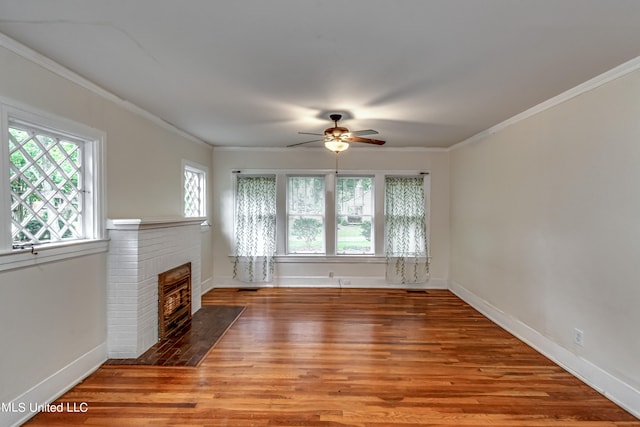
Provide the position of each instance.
(331, 274)
(578, 337)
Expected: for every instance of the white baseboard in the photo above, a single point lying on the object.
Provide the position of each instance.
(595, 377)
(327, 282)
(19, 409)
(206, 285)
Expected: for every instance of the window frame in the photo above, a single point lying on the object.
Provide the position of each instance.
(203, 171)
(288, 215)
(373, 215)
(331, 256)
(94, 194)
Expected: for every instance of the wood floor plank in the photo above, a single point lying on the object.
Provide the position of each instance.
(331, 357)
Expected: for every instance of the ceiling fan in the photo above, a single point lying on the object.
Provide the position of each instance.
(337, 138)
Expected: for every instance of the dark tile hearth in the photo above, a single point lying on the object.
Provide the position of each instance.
(189, 344)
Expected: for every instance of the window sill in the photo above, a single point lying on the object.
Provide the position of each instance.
(41, 254)
(327, 259)
(332, 259)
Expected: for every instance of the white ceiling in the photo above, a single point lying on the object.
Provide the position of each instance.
(424, 73)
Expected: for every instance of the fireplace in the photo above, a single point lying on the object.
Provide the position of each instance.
(174, 299)
(139, 251)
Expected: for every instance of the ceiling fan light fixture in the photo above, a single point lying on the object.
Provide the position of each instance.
(337, 138)
(336, 145)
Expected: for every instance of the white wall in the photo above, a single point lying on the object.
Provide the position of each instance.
(144, 159)
(545, 227)
(53, 315)
(370, 159)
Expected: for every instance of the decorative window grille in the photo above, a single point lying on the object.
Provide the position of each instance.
(194, 192)
(255, 233)
(405, 230)
(305, 215)
(46, 175)
(354, 215)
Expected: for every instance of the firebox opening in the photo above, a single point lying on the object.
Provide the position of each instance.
(174, 299)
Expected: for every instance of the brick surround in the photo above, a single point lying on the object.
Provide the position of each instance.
(139, 250)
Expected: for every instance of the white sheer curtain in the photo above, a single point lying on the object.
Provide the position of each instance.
(405, 230)
(255, 232)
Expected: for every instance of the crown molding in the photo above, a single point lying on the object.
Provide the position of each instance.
(594, 83)
(322, 149)
(58, 69)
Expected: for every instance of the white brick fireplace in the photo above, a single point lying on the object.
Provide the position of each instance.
(139, 250)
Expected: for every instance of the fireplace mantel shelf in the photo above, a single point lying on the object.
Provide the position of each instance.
(145, 223)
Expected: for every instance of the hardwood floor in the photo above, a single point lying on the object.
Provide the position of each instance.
(329, 357)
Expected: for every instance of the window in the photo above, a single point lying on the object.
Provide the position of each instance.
(255, 233)
(321, 216)
(194, 190)
(305, 215)
(405, 220)
(47, 190)
(406, 229)
(51, 186)
(354, 215)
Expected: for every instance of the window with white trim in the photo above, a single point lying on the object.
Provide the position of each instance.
(406, 229)
(355, 215)
(305, 215)
(322, 215)
(194, 191)
(255, 228)
(51, 186)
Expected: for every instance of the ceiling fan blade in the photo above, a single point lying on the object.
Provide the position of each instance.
(305, 142)
(366, 140)
(309, 133)
(364, 132)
